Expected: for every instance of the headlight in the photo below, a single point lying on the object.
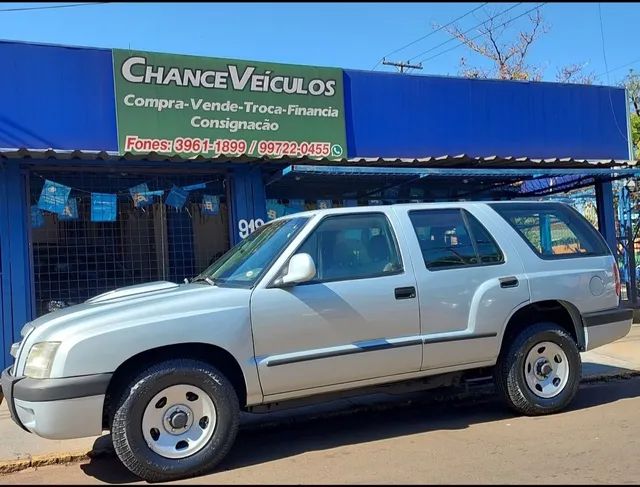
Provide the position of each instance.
(40, 359)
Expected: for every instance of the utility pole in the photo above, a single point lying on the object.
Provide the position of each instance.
(402, 65)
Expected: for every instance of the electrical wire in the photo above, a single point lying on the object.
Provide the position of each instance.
(466, 31)
(606, 66)
(48, 7)
(617, 68)
(427, 35)
(482, 34)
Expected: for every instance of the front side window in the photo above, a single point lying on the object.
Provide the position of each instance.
(453, 238)
(553, 230)
(245, 263)
(353, 247)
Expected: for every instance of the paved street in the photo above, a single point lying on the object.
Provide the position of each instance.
(596, 441)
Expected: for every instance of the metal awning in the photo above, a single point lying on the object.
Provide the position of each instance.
(444, 161)
(297, 179)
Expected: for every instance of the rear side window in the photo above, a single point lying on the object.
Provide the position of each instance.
(553, 230)
(451, 238)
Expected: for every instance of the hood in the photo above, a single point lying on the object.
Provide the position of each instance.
(131, 291)
(151, 302)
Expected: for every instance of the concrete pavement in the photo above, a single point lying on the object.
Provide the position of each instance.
(19, 449)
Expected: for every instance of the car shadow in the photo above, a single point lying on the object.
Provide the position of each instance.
(256, 445)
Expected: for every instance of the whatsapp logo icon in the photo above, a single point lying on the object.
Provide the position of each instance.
(336, 150)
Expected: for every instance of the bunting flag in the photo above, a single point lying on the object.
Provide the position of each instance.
(70, 211)
(103, 207)
(210, 204)
(295, 206)
(142, 196)
(324, 204)
(37, 217)
(53, 197)
(177, 197)
(193, 187)
(391, 193)
(275, 210)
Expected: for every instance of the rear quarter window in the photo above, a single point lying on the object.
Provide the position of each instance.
(553, 230)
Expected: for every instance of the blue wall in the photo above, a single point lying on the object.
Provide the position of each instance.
(15, 275)
(56, 97)
(391, 115)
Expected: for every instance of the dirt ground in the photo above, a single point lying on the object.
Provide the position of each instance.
(596, 441)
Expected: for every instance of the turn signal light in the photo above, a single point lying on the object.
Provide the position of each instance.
(616, 278)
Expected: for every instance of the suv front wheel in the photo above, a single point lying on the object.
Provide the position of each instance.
(177, 418)
(539, 371)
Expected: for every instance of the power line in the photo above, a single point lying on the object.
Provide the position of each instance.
(47, 7)
(427, 35)
(604, 56)
(618, 67)
(466, 31)
(482, 34)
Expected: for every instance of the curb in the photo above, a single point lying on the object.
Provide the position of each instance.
(482, 392)
(11, 466)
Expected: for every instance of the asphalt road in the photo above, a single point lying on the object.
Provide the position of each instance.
(596, 441)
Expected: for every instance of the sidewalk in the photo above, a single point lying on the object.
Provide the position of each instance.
(19, 449)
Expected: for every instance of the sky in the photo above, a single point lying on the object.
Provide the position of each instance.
(345, 35)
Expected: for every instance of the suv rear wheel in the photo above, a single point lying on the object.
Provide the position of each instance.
(177, 418)
(539, 371)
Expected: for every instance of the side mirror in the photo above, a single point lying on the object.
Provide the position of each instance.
(301, 269)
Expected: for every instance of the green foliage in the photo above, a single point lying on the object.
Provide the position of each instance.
(635, 133)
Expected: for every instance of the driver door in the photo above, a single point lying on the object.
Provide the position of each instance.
(357, 320)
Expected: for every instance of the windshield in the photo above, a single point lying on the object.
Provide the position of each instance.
(244, 264)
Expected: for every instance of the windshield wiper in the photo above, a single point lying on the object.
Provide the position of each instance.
(206, 279)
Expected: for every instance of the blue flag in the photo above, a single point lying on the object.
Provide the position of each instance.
(37, 217)
(70, 211)
(177, 197)
(323, 204)
(53, 197)
(275, 210)
(142, 196)
(192, 187)
(103, 207)
(210, 204)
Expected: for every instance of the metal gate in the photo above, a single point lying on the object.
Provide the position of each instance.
(78, 258)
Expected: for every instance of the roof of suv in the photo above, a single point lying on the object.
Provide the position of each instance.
(413, 206)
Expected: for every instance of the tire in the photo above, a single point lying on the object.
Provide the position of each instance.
(213, 434)
(518, 383)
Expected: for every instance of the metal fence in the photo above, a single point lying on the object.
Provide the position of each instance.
(75, 259)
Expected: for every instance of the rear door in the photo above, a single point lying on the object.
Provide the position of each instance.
(469, 280)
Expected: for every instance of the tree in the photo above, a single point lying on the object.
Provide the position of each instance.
(632, 84)
(509, 55)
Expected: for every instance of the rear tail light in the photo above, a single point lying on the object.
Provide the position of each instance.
(616, 278)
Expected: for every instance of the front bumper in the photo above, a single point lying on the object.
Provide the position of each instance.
(606, 326)
(57, 408)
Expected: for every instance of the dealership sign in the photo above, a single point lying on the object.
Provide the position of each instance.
(192, 106)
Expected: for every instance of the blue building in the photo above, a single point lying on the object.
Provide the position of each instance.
(127, 217)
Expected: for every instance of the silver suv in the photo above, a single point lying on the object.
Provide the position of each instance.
(317, 304)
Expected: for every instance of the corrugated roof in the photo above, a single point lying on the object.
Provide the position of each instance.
(461, 160)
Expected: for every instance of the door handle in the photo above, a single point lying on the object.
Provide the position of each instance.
(405, 292)
(511, 281)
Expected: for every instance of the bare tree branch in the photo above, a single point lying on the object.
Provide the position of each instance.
(509, 58)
